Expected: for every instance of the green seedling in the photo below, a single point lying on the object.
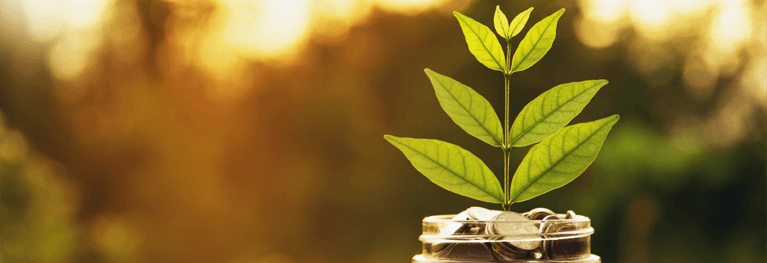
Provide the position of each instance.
(562, 153)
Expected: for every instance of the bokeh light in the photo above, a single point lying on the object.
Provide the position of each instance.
(251, 131)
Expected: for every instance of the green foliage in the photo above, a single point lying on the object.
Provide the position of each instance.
(552, 110)
(519, 22)
(536, 43)
(467, 108)
(559, 159)
(506, 30)
(501, 23)
(562, 154)
(483, 44)
(451, 167)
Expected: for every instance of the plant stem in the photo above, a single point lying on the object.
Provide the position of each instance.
(506, 147)
(506, 181)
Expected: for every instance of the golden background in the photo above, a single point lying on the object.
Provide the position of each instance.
(251, 131)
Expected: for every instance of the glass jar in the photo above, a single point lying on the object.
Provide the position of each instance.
(559, 240)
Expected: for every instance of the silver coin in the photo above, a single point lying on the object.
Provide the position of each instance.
(521, 226)
(467, 228)
(481, 214)
(452, 228)
(538, 213)
(570, 214)
(443, 249)
(548, 227)
(545, 229)
(561, 248)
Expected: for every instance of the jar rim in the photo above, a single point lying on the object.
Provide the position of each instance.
(449, 219)
(434, 228)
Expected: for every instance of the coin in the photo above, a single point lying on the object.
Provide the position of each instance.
(481, 214)
(561, 248)
(458, 250)
(547, 228)
(506, 248)
(512, 236)
(453, 228)
(538, 213)
(570, 214)
(441, 249)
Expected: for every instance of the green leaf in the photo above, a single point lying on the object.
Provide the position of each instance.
(559, 159)
(467, 108)
(501, 23)
(519, 22)
(536, 43)
(551, 111)
(483, 44)
(451, 167)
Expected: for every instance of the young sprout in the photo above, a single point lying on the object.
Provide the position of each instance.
(562, 153)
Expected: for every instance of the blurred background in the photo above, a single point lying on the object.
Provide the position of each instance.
(243, 131)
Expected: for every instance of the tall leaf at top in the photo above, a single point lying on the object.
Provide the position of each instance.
(501, 23)
(536, 43)
(519, 22)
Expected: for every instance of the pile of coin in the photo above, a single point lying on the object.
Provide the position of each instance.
(487, 235)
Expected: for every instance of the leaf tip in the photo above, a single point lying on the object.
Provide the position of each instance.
(613, 119)
(389, 137)
(429, 73)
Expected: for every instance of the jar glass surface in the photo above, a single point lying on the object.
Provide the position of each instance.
(558, 240)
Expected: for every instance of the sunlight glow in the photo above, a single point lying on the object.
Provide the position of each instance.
(715, 38)
(43, 19)
(409, 7)
(332, 19)
(71, 56)
(596, 33)
(268, 29)
(650, 16)
(83, 13)
(731, 27)
(607, 11)
(46, 19)
(233, 32)
(276, 33)
(72, 25)
(689, 7)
